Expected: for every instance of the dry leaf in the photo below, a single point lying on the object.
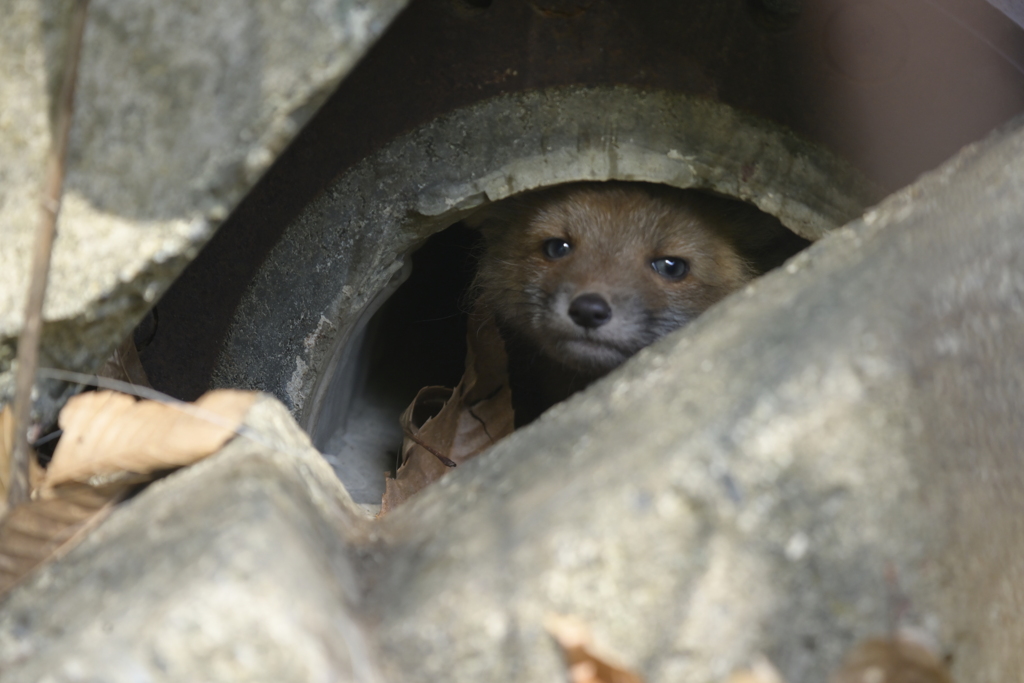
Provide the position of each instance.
(446, 427)
(894, 660)
(40, 530)
(761, 671)
(585, 666)
(125, 365)
(107, 432)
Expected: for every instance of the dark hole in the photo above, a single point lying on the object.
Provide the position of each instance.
(419, 335)
(775, 15)
(417, 339)
(45, 446)
(430, 404)
(145, 331)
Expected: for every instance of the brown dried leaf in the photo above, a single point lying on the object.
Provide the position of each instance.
(425, 421)
(894, 660)
(585, 665)
(125, 365)
(761, 671)
(107, 432)
(446, 427)
(40, 530)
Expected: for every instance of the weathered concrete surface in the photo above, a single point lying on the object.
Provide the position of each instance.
(179, 110)
(743, 486)
(236, 569)
(340, 253)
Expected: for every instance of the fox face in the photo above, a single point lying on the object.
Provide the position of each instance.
(590, 273)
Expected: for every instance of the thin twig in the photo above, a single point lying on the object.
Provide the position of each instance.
(28, 342)
(446, 461)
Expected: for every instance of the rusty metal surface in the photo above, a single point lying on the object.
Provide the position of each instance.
(893, 86)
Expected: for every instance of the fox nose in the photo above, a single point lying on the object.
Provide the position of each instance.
(590, 310)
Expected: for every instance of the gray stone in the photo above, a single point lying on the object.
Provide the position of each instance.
(234, 569)
(742, 487)
(179, 109)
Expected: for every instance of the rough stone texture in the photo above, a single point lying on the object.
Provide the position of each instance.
(741, 487)
(179, 110)
(331, 265)
(235, 569)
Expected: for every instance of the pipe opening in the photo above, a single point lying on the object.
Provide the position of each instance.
(416, 337)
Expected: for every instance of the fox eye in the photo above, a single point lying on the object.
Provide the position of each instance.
(556, 248)
(671, 267)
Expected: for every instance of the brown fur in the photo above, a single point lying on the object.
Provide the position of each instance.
(616, 230)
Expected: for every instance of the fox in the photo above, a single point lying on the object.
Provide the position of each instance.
(579, 277)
